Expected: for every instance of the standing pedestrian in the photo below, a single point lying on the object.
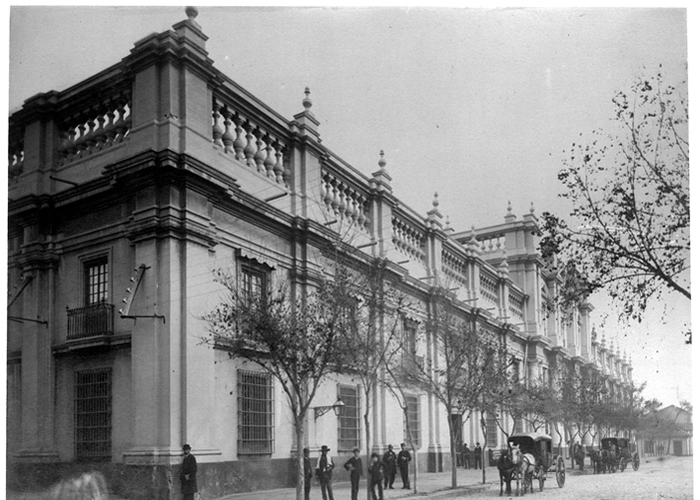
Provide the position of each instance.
(324, 472)
(404, 458)
(188, 474)
(467, 455)
(458, 453)
(308, 474)
(477, 456)
(354, 465)
(376, 475)
(389, 460)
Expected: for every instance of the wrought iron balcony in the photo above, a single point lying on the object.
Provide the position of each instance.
(90, 321)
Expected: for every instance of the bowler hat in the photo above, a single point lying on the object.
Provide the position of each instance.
(186, 447)
(325, 448)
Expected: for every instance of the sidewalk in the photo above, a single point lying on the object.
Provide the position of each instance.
(430, 484)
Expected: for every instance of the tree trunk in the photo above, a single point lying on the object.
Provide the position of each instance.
(299, 421)
(451, 429)
(368, 449)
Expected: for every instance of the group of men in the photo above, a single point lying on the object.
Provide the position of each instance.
(380, 473)
(465, 457)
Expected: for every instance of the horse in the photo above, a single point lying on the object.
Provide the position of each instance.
(598, 463)
(505, 471)
(524, 465)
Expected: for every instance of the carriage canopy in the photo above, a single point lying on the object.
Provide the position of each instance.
(536, 443)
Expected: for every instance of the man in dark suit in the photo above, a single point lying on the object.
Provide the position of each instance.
(376, 475)
(477, 456)
(324, 472)
(188, 474)
(354, 465)
(389, 460)
(308, 474)
(403, 459)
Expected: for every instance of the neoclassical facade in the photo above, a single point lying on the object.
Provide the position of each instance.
(127, 190)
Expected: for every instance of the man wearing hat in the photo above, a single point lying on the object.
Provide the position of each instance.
(188, 474)
(308, 474)
(324, 472)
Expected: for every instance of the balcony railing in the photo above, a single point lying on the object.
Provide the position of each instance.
(90, 321)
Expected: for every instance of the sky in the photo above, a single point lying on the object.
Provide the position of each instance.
(476, 105)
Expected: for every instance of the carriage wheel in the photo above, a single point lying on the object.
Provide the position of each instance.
(635, 461)
(561, 472)
(541, 475)
(623, 464)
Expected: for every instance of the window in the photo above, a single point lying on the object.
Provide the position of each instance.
(256, 413)
(410, 358)
(518, 425)
(96, 280)
(349, 420)
(413, 414)
(93, 414)
(254, 280)
(491, 431)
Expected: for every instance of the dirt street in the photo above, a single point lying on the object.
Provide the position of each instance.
(668, 479)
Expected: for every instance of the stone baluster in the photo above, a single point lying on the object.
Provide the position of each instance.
(80, 141)
(341, 201)
(90, 136)
(239, 144)
(217, 131)
(361, 219)
(353, 208)
(269, 162)
(110, 131)
(334, 201)
(227, 137)
(259, 156)
(278, 168)
(121, 125)
(100, 137)
(249, 149)
(327, 191)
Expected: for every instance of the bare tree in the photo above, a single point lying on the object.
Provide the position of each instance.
(299, 342)
(629, 229)
(376, 315)
(455, 373)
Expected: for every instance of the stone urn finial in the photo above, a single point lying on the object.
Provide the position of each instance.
(192, 13)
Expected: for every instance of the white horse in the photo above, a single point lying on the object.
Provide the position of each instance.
(524, 468)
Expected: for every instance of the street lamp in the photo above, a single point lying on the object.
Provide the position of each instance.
(337, 408)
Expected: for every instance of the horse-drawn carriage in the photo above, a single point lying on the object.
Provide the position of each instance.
(532, 458)
(621, 450)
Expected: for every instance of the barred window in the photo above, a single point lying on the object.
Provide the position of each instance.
(256, 413)
(491, 431)
(413, 414)
(349, 420)
(518, 425)
(93, 414)
(96, 280)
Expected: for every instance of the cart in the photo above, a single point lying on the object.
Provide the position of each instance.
(539, 446)
(623, 449)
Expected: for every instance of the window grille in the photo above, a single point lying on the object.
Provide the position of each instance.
(96, 277)
(518, 425)
(349, 430)
(491, 431)
(413, 414)
(256, 413)
(93, 414)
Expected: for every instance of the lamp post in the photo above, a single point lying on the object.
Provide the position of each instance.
(337, 408)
